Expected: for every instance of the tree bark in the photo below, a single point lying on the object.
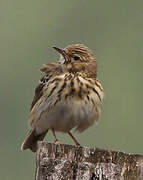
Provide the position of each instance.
(68, 162)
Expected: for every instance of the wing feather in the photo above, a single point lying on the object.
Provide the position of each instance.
(50, 70)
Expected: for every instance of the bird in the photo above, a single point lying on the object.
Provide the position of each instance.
(68, 96)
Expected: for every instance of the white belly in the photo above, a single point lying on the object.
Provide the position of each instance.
(64, 117)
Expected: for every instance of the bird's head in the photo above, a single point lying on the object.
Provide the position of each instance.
(75, 53)
(77, 59)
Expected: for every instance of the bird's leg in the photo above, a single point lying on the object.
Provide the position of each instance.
(76, 142)
(54, 134)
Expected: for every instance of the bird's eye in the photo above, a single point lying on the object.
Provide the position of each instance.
(76, 58)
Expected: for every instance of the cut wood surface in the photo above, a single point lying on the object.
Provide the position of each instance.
(69, 162)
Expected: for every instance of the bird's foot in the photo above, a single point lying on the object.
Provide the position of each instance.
(57, 141)
(74, 139)
(77, 144)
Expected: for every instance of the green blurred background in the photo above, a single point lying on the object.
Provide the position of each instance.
(112, 29)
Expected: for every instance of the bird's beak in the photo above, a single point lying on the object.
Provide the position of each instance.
(63, 53)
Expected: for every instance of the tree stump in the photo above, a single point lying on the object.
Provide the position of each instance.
(69, 162)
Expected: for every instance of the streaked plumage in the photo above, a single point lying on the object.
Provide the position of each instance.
(68, 96)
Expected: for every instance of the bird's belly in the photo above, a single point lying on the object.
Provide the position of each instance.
(66, 116)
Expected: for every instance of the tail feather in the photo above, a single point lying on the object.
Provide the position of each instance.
(31, 140)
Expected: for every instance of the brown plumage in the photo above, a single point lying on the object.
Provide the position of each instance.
(68, 96)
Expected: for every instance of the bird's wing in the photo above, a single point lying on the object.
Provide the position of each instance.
(50, 70)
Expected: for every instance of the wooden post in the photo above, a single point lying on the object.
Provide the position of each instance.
(68, 162)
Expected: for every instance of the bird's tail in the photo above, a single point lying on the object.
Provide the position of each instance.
(31, 140)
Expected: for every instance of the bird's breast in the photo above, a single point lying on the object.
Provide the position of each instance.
(68, 101)
(68, 86)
